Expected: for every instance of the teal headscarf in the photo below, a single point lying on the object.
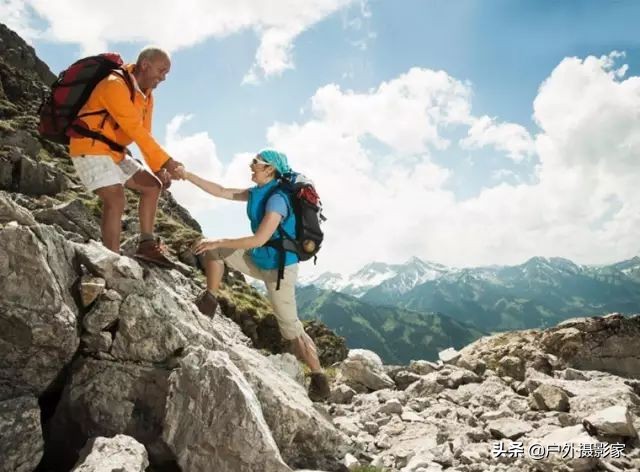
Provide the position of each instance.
(277, 159)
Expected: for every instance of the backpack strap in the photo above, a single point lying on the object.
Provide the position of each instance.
(284, 243)
(87, 133)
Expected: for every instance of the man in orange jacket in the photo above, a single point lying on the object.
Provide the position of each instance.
(120, 109)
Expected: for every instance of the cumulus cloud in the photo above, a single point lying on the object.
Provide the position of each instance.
(16, 15)
(175, 25)
(512, 138)
(582, 203)
(379, 162)
(198, 153)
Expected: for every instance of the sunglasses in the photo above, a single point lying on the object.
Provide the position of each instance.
(256, 161)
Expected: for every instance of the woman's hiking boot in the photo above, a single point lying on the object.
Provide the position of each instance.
(319, 387)
(207, 303)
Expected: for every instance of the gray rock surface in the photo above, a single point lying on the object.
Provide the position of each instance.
(119, 453)
(20, 434)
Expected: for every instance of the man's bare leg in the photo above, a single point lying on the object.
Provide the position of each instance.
(149, 189)
(113, 203)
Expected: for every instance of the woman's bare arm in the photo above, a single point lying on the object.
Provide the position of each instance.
(217, 190)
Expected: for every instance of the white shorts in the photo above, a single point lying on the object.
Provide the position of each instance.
(101, 171)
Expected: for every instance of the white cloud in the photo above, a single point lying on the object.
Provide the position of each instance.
(404, 113)
(175, 25)
(509, 137)
(16, 15)
(198, 153)
(394, 202)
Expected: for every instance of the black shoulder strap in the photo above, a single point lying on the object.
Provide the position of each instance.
(87, 133)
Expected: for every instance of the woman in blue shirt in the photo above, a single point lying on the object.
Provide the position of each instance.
(267, 209)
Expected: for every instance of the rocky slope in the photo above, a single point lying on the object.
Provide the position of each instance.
(105, 364)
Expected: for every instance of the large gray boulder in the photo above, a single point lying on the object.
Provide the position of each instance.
(38, 316)
(11, 211)
(71, 216)
(608, 344)
(208, 398)
(20, 434)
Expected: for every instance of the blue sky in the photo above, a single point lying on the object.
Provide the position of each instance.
(425, 124)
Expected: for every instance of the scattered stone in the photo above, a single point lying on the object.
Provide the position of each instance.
(612, 421)
(549, 398)
(90, 288)
(511, 366)
(509, 428)
(449, 355)
(119, 453)
(341, 394)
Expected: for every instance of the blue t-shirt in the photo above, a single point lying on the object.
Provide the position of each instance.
(277, 204)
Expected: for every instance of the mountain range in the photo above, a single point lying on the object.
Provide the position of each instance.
(398, 335)
(538, 293)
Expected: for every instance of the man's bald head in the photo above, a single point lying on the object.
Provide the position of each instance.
(152, 54)
(152, 66)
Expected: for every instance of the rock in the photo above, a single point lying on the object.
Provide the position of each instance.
(455, 378)
(119, 453)
(550, 398)
(411, 416)
(405, 378)
(341, 394)
(71, 216)
(511, 366)
(364, 368)
(94, 343)
(422, 367)
(38, 333)
(107, 264)
(573, 374)
(612, 421)
(90, 288)
(477, 366)
(104, 398)
(449, 356)
(288, 364)
(38, 178)
(11, 211)
(304, 436)
(606, 344)
(574, 437)
(347, 425)
(351, 462)
(20, 434)
(497, 414)
(392, 407)
(427, 385)
(208, 398)
(371, 427)
(509, 428)
(104, 313)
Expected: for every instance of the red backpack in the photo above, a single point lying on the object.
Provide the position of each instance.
(59, 119)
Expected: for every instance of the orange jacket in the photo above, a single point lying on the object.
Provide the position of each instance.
(126, 122)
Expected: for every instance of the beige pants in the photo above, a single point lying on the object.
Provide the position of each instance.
(283, 300)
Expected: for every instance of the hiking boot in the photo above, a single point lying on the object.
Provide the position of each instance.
(207, 303)
(155, 252)
(319, 387)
